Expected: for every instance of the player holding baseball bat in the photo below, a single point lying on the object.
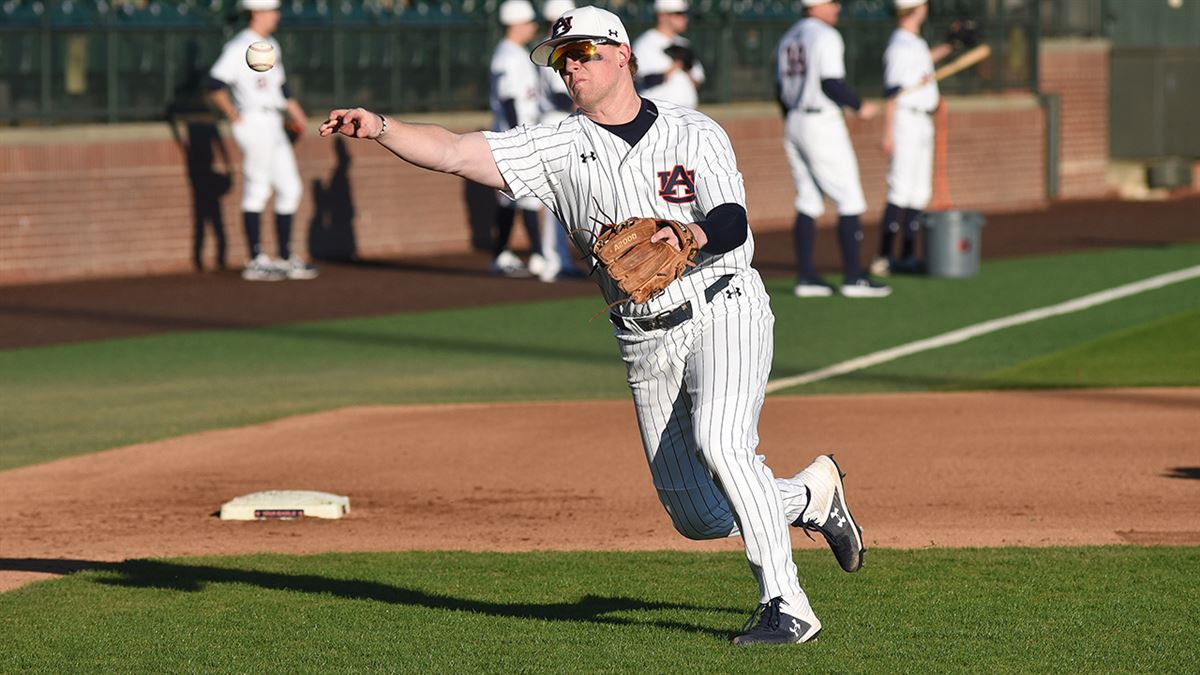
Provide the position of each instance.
(912, 98)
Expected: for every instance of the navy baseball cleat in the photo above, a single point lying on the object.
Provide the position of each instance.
(828, 513)
(776, 627)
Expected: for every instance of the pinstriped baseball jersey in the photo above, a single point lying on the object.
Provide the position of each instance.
(698, 387)
(586, 175)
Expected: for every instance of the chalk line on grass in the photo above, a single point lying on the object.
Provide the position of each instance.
(963, 334)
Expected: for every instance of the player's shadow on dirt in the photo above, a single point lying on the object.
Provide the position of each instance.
(194, 578)
(1192, 472)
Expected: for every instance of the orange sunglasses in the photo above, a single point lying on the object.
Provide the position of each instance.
(581, 51)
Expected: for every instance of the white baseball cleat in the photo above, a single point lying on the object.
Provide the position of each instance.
(263, 268)
(296, 268)
(507, 264)
(812, 288)
(865, 287)
(828, 513)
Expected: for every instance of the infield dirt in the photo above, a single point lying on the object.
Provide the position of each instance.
(1034, 468)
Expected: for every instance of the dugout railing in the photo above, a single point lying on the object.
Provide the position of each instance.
(128, 60)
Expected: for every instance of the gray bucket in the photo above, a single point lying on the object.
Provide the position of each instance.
(952, 241)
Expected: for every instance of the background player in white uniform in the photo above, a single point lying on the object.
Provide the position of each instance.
(907, 134)
(667, 66)
(255, 104)
(514, 101)
(698, 356)
(554, 105)
(811, 75)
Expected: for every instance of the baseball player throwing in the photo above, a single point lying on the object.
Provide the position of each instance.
(255, 104)
(907, 134)
(698, 354)
(811, 75)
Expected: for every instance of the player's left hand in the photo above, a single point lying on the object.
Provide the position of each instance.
(668, 235)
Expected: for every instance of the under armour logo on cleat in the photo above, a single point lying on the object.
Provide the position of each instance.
(588, 155)
(836, 515)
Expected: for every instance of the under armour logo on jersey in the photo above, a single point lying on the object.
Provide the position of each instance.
(677, 186)
(733, 292)
(588, 155)
(563, 25)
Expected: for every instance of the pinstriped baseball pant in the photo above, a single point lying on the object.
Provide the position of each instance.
(698, 389)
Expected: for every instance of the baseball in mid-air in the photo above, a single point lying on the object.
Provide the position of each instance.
(260, 56)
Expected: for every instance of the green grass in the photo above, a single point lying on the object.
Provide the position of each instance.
(79, 398)
(996, 610)
(1165, 352)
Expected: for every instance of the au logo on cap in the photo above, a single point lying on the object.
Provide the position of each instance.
(563, 25)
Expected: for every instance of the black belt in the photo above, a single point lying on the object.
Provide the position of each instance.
(813, 111)
(920, 111)
(671, 317)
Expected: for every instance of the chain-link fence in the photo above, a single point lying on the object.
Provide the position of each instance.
(129, 60)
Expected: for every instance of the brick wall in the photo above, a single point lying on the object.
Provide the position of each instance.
(1078, 71)
(91, 201)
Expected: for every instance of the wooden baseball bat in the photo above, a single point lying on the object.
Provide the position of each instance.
(968, 59)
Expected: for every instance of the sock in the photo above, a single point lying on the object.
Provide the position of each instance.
(805, 237)
(283, 234)
(504, 224)
(888, 228)
(533, 229)
(911, 225)
(849, 235)
(796, 605)
(252, 223)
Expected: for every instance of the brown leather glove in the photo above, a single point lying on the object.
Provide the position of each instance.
(641, 268)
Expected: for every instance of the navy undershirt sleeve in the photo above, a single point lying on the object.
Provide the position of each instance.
(509, 106)
(214, 84)
(287, 91)
(841, 93)
(726, 227)
(653, 80)
(891, 91)
(562, 102)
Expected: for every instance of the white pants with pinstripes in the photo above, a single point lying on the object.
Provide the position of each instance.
(698, 389)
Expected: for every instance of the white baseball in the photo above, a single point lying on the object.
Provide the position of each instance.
(260, 56)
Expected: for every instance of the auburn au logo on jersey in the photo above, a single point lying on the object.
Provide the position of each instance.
(677, 186)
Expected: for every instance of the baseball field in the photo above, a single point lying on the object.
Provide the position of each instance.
(1022, 450)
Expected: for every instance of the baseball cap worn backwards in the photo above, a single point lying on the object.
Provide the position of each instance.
(584, 23)
(259, 5)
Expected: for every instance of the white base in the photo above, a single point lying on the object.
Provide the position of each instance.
(285, 504)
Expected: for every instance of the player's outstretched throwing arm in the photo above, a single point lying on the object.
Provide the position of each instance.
(425, 145)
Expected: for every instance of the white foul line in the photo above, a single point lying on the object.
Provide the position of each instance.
(963, 334)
